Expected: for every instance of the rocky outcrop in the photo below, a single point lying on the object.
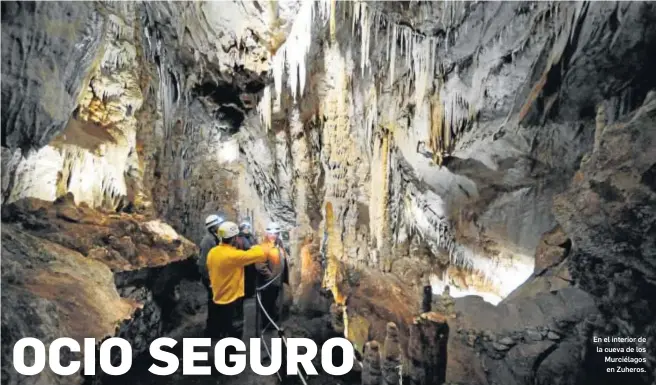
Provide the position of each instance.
(50, 291)
(47, 53)
(609, 212)
(71, 271)
(551, 266)
(538, 340)
(515, 130)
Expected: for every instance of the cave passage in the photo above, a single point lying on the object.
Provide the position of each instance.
(464, 190)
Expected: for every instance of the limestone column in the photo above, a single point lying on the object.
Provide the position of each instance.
(391, 356)
(427, 357)
(428, 299)
(371, 373)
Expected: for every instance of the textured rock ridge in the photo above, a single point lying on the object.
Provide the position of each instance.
(71, 271)
(612, 240)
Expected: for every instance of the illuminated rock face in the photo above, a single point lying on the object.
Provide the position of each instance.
(428, 155)
(71, 271)
(421, 151)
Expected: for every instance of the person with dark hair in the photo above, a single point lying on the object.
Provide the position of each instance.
(210, 240)
(246, 231)
(225, 266)
(245, 240)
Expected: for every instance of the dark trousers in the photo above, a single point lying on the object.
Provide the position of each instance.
(270, 303)
(221, 319)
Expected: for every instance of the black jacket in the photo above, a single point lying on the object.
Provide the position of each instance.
(245, 242)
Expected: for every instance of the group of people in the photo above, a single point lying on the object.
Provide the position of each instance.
(233, 265)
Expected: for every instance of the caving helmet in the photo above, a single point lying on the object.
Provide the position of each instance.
(228, 230)
(212, 221)
(273, 228)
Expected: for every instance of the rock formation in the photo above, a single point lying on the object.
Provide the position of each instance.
(427, 349)
(392, 356)
(500, 149)
(371, 372)
(71, 271)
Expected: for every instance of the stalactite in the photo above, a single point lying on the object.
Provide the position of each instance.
(436, 140)
(393, 54)
(264, 108)
(371, 117)
(376, 27)
(333, 23)
(292, 54)
(365, 30)
(278, 66)
(388, 39)
(356, 15)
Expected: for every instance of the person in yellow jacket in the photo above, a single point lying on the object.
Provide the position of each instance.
(225, 266)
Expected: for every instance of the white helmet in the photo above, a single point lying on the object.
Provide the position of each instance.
(213, 220)
(245, 224)
(228, 230)
(273, 228)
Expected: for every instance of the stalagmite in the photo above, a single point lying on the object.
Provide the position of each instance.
(445, 303)
(391, 355)
(371, 371)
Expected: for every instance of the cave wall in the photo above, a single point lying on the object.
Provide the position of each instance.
(426, 140)
(72, 271)
(132, 107)
(507, 93)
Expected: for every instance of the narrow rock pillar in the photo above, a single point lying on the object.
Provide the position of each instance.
(429, 334)
(428, 299)
(371, 373)
(391, 356)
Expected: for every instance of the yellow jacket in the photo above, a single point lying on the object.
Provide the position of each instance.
(225, 266)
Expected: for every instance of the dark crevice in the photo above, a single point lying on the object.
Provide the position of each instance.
(567, 245)
(541, 357)
(219, 94)
(229, 113)
(174, 87)
(649, 178)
